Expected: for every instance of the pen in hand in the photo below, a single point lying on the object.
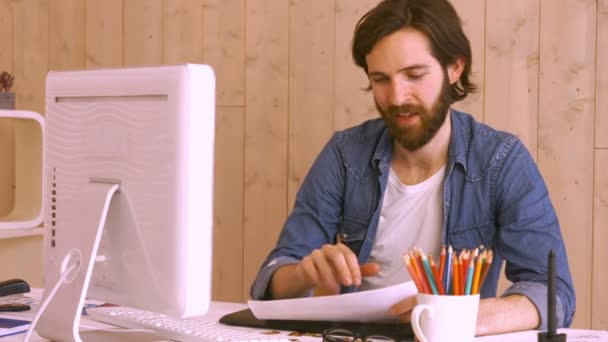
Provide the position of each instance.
(369, 269)
(366, 270)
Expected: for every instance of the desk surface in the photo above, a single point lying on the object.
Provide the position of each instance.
(90, 330)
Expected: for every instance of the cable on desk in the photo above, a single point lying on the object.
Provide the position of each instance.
(46, 302)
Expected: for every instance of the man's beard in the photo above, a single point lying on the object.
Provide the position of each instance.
(431, 119)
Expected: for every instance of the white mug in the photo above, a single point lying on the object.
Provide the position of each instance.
(438, 318)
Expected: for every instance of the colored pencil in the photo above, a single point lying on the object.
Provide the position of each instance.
(477, 274)
(417, 264)
(442, 266)
(429, 272)
(456, 277)
(435, 269)
(464, 262)
(455, 273)
(485, 268)
(413, 273)
(483, 256)
(447, 283)
(469, 281)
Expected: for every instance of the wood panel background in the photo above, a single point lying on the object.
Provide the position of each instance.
(286, 81)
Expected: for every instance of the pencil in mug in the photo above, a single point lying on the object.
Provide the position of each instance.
(417, 263)
(462, 277)
(456, 276)
(429, 272)
(447, 275)
(464, 262)
(435, 270)
(413, 274)
(469, 278)
(428, 277)
(485, 268)
(461, 273)
(477, 273)
(442, 267)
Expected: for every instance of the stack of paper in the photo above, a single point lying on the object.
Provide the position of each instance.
(365, 306)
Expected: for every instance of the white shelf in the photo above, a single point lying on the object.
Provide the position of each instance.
(20, 232)
(28, 163)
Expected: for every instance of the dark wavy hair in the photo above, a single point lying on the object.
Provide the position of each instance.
(436, 19)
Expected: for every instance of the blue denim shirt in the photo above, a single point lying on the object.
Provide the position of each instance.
(493, 195)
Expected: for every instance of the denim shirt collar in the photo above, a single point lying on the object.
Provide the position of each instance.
(459, 141)
(382, 154)
(459, 145)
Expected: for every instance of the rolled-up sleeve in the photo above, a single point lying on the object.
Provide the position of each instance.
(262, 280)
(537, 293)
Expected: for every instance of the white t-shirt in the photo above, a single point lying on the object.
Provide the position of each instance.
(411, 216)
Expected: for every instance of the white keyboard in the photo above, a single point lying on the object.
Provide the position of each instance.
(178, 329)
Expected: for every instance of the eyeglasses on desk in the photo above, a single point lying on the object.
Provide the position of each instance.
(343, 335)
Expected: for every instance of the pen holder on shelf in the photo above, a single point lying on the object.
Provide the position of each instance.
(7, 100)
(22, 168)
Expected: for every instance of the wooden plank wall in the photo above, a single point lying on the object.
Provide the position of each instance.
(565, 128)
(599, 296)
(7, 177)
(352, 105)
(266, 128)
(286, 81)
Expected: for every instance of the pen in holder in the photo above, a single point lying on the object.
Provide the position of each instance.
(455, 274)
(448, 292)
(551, 334)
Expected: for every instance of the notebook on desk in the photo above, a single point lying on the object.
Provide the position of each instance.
(245, 318)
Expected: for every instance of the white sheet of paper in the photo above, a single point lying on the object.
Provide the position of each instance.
(364, 306)
(573, 335)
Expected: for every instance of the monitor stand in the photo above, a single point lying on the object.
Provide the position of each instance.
(78, 246)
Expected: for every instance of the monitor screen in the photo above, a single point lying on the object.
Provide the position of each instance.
(128, 183)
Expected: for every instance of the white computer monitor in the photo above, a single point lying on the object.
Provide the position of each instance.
(128, 182)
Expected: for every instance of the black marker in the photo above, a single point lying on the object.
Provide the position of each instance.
(14, 307)
(551, 334)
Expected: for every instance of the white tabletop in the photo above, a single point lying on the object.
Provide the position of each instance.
(91, 330)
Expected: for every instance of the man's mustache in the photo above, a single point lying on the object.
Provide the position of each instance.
(406, 108)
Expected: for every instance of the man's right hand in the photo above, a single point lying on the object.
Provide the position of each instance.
(328, 267)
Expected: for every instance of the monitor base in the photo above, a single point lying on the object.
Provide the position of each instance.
(61, 319)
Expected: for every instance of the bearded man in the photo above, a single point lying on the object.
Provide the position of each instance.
(422, 175)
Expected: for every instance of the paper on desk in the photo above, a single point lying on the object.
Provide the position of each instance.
(573, 335)
(365, 306)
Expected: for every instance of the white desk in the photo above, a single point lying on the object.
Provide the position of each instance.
(90, 330)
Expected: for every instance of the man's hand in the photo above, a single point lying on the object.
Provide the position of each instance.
(403, 309)
(328, 267)
(332, 266)
(506, 314)
(495, 315)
